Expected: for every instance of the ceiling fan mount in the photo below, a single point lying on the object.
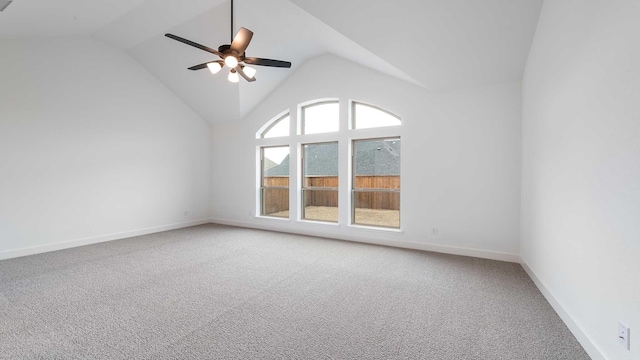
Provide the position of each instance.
(224, 48)
(233, 55)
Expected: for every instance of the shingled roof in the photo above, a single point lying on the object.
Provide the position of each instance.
(374, 157)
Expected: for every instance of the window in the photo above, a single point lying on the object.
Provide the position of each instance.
(362, 149)
(320, 117)
(277, 128)
(274, 190)
(320, 182)
(376, 182)
(367, 116)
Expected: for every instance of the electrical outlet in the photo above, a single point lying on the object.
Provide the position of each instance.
(623, 336)
(434, 231)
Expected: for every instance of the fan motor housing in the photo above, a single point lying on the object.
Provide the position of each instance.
(226, 51)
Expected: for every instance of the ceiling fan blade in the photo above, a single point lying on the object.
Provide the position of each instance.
(241, 41)
(204, 66)
(241, 72)
(267, 62)
(189, 42)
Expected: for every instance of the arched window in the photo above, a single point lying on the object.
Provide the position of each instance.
(320, 117)
(373, 195)
(277, 127)
(365, 116)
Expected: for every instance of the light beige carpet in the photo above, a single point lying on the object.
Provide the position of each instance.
(218, 292)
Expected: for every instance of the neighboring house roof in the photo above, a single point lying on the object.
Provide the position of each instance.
(375, 157)
(378, 157)
(321, 159)
(279, 170)
(268, 163)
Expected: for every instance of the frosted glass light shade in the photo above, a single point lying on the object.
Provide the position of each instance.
(234, 77)
(231, 61)
(249, 71)
(214, 67)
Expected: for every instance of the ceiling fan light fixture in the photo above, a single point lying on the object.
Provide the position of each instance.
(231, 61)
(231, 55)
(214, 67)
(233, 76)
(249, 71)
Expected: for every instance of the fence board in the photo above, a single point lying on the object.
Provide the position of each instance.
(279, 200)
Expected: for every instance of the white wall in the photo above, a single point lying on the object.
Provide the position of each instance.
(460, 160)
(92, 148)
(581, 168)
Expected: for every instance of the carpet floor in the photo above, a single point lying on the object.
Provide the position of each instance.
(220, 292)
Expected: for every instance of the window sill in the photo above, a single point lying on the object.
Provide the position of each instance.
(272, 218)
(329, 223)
(375, 229)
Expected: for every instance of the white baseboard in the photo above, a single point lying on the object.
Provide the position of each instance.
(356, 236)
(95, 239)
(587, 343)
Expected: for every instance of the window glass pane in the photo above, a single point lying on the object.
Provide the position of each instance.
(376, 182)
(321, 160)
(321, 118)
(275, 162)
(320, 183)
(365, 116)
(278, 128)
(275, 181)
(377, 208)
(377, 164)
(275, 202)
(320, 205)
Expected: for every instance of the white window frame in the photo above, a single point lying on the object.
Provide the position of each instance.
(352, 115)
(354, 189)
(316, 188)
(345, 137)
(263, 187)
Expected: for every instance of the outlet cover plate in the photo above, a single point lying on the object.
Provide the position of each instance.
(623, 335)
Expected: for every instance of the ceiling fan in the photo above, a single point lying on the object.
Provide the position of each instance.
(233, 55)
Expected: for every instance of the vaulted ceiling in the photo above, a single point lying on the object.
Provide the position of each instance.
(436, 44)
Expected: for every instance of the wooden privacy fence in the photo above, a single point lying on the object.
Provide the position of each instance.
(278, 199)
(275, 200)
